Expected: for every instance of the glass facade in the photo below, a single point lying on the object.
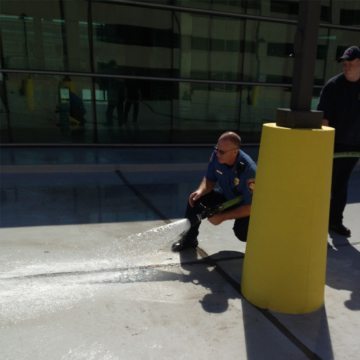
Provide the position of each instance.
(154, 72)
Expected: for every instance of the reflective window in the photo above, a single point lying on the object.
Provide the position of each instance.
(53, 37)
(211, 47)
(235, 6)
(345, 13)
(162, 75)
(161, 43)
(140, 42)
(18, 37)
(272, 60)
(4, 114)
(181, 112)
(135, 111)
(47, 109)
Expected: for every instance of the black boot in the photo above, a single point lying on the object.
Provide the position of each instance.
(340, 229)
(185, 242)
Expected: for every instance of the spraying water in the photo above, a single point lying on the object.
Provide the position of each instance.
(31, 286)
(133, 250)
(139, 248)
(162, 234)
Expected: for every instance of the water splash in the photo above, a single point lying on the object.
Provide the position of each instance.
(139, 248)
(131, 251)
(42, 286)
(162, 234)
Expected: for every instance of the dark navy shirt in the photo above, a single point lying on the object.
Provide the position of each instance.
(340, 102)
(235, 180)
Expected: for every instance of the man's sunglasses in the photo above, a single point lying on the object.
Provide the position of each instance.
(223, 152)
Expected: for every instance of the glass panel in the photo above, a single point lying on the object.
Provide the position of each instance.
(134, 111)
(345, 13)
(258, 106)
(335, 12)
(49, 109)
(210, 47)
(131, 41)
(58, 110)
(269, 56)
(4, 116)
(18, 37)
(139, 41)
(202, 112)
(235, 6)
(35, 36)
(191, 46)
(188, 112)
(288, 9)
(161, 43)
(220, 48)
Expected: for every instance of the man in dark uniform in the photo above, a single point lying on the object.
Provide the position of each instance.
(115, 95)
(234, 172)
(133, 95)
(340, 102)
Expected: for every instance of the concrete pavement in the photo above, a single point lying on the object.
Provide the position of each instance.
(84, 275)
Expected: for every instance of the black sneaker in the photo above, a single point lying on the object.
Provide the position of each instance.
(184, 243)
(340, 229)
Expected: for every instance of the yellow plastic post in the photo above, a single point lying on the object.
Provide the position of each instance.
(285, 261)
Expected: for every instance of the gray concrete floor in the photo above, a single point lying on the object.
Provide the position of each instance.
(86, 270)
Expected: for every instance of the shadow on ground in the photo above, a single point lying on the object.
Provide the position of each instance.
(343, 270)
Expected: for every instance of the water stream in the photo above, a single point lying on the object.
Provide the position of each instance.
(30, 285)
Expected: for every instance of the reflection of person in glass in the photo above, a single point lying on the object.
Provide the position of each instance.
(133, 95)
(115, 96)
(3, 104)
(71, 107)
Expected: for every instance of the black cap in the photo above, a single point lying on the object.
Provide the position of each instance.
(351, 53)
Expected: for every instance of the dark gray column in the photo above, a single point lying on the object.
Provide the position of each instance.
(300, 115)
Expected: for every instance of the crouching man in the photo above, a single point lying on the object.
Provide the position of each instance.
(230, 174)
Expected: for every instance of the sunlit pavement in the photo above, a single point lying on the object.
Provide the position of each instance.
(84, 275)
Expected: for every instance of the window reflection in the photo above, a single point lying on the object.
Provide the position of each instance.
(49, 109)
(162, 75)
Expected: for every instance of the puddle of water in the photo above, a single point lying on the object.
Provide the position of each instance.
(31, 289)
(134, 250)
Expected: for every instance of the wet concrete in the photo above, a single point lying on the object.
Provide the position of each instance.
(86, 270)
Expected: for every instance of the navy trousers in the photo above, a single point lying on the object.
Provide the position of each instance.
(212, 199)
(342, 169)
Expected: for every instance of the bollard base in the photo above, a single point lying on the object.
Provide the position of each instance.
(299, 119)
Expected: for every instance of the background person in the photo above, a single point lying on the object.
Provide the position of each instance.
(115, 95)
(133, 97)
(233, 171)
(340, 102)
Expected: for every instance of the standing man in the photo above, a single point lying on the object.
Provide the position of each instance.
(115, 95)
(340, 102)
(234, 172)
(133, 96)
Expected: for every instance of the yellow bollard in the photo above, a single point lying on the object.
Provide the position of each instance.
(285, 262)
